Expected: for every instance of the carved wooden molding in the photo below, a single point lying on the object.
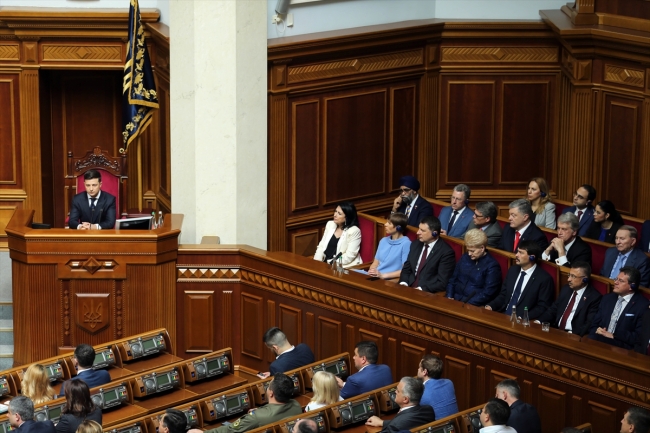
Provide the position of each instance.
(354, 66)
(9, 52)
(86, 53)
(499, 54)
(580, 70)
(207, 274)
(627, 76)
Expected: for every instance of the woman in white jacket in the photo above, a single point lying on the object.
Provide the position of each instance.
(342, 235)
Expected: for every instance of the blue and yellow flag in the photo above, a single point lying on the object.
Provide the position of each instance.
(139, 89)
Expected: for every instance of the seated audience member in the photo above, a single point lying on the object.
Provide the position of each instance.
(485, 218)
(36, 384)
(342, 236)
(526, 285)
(575, 308)
(521, 228)
(456, 218)
(494, 416)
(173, 421)
(392, 250)
(624, 254)
(636, 420)
(411, 413)
(78, 408)
(90, 426)
(643, 342)
(438, 393)
(288, 357)
(93, 209)
(606, 223)
(410, 203)
(541, 203)
(430, 262)
(21, 417)
(567, 247)
(582, 207)
(477, 276)
(370, 375)
(326, 390)
(523, 416)
(619, 317)
(83, 359)
(280, 406)
(306, 425)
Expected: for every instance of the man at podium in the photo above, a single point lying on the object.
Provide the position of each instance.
(93, 209)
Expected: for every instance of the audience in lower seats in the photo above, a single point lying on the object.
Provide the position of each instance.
(393, 249)
(477, 277)
(456, 218)
(430, 262)
(485, 218)
(523, 416)
(36, 384)
(410, 203)
(21, 417)
(83, 359)
(526, 285)
(577, 305)
(370, 375)
(582, 207)
(342, 237)
(619, 317)
(494, 416)
(636, 420)
(326, 390)
(288, 357)
(78, 407)
(539, 197)
(438, 393)
(625, 254)
(172, 421)
(567, 247)
(606, 223)
(521, 228)
(411, 413)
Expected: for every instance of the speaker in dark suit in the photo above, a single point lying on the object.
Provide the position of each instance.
(643, 342)
(625, 245)
(567, 247)
(409, 203)
(93, 207)
(526, 285)
(521, 218)
(619, 318)
(430, 272)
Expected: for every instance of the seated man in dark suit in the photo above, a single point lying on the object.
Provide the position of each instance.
(523, 416)
(619, 318)
(522, 227)
(370, 375)
(526, 285)
(430, 262)
(83, 359)
(567, 247)
(636, 420)
(288, 357)
(410, 203)
(485, 218)
(93, 209)
(411, 414)
(582, 207)
(625, 254)
(575, 308)
(456, 218)
(21, 417)
(172, 421)
(643, 342)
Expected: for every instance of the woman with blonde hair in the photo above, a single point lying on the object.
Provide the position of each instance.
(540, 200)
(36, 384)
(89, 426)
(326, 390)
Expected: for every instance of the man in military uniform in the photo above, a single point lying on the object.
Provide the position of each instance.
(280, 406)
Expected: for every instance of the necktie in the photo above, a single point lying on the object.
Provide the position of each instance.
(567, 312)
(408, 211)
(620, 262)
(92, 203)
(580, 214)
(423, 261)
(516, 294)
(451, 221)
(617, 310)
(517, 236)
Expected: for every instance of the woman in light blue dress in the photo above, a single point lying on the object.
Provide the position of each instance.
(393, 250)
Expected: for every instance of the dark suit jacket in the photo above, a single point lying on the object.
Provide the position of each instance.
(69, 423)
(409, 419)
(437, 270)
(593, 232)
(644, 335)
(104, 213)
(579, 252)
(460, 225)
(421, 209)
(493, 233)
(532, 233)
(637, 259)
(524, 418)
(92, 378)
(300, 356)
(629, 322)
(585, 312)
(645, 237)
(373, 376)
(31, 426)
(537, 294)
(585, 221)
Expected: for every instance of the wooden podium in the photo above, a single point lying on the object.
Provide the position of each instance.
(78, 286)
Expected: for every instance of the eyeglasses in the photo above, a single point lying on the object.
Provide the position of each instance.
(575, 194)
(573, 277)
(618, 280)
(478, 216)
(406, 190)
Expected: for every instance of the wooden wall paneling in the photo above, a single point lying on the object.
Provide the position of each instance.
(603, 418)
(551, 406)
(199, 310)
(428, 125)
(351, 340)
(30, 140)
(10, 148)
(409, 359)
(367, 335)
(305, 151)
(643, 206)
(278, 195)
(481, 392)
(459, 372)
(310, 330)
(576, 410)
(227, 310)
(291, 323)
(496, 377)
(304, 242)
(402, 129)
(252, 326)
(330, 338)
(391, 359)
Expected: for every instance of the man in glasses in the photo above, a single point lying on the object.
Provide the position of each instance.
(410, 203)
(485, 218)
(582, 207)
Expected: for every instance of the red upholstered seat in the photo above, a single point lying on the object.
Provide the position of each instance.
(553, 270)
(503, 259)
(457, 245)
(368, 239)
(600, 284)
(110, 184)
(598, 250)
(412, 235)
(550, 235)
